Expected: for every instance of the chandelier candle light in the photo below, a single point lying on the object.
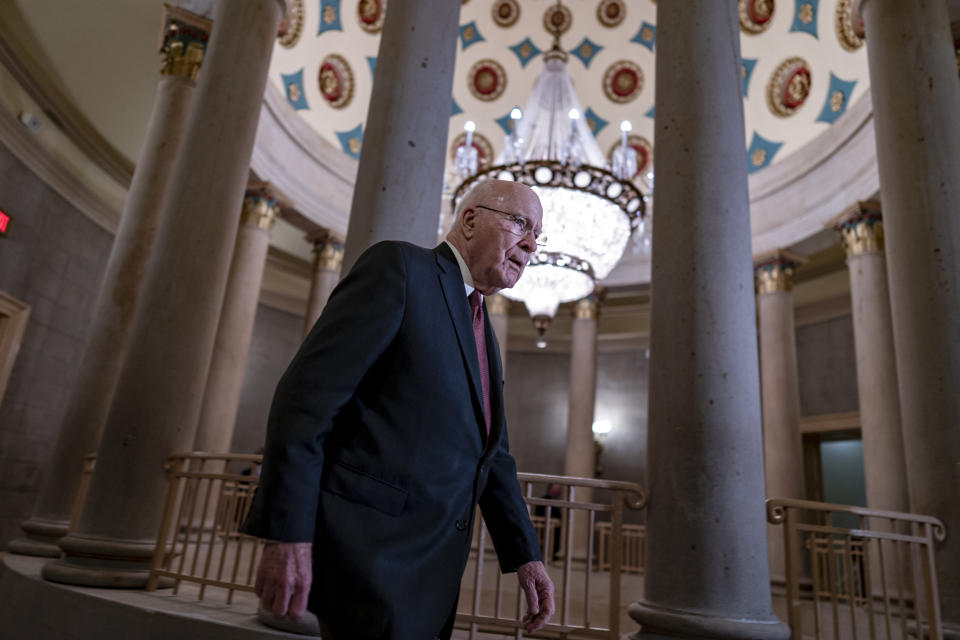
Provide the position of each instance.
(589, 210)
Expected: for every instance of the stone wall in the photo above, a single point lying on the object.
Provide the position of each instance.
(53, 259)
(276, 338)
(827, 366)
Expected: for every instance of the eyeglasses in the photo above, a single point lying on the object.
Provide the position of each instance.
(521, 225)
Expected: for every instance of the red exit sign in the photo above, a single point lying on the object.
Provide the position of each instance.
(4, 222)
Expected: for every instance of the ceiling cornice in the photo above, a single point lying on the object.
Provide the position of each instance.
(20, 54)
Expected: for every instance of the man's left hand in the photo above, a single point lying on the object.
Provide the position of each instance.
(538, 587)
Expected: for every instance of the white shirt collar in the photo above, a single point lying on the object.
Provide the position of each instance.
(464, 271)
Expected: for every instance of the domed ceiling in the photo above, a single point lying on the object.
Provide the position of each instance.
(802, 67)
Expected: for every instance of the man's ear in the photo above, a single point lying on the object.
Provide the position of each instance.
(468, 221)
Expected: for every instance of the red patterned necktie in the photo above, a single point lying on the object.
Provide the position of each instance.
(478, 336)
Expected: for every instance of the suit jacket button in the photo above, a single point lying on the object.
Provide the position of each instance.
(461, 525)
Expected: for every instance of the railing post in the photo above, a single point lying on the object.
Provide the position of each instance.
(158, 553)
(616, 558)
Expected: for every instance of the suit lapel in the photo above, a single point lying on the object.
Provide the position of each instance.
(451, 283)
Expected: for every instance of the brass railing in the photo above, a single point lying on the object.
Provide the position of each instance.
(199, 540)
(588, 601)
(875, 579)
(633, 537)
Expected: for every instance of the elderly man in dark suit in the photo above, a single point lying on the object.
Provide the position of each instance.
(387, 430)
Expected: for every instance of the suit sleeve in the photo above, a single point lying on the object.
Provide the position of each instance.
(360, 320)
(505, 513)
(503, 507)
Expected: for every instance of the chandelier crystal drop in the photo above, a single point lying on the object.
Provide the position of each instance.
(590, 209)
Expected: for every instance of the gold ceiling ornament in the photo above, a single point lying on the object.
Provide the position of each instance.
(506, 12)
(756, 16)
(291, 27)
(789, 87)
(557, 19)
(847, 29)
(370, 14)
(482, 145)
(335, 79)
(611, 13)
(487, 80)
(623, 81)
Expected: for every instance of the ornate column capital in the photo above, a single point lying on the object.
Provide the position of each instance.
(861, 228)
(589, 307)
(774, 271)
(498, 304)
(260, 206)
(327, 251)
(183, 43)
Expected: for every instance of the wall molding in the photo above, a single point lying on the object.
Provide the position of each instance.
(794, 199)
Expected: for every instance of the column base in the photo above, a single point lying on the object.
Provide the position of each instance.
(306, 625)
(103, 562)
(41, 539)
(660, 623)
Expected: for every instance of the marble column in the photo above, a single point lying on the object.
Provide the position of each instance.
(779, 391)
(327, 262)
(706, 554)
(184, 43)
(158, 397)
(916, 99)
(498, 308)
(579, 459)
(397, 194)
(861, 228)
(221, 396)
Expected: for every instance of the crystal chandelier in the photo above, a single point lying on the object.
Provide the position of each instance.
(590, 210)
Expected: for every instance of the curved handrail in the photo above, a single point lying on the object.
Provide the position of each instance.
(776, 511)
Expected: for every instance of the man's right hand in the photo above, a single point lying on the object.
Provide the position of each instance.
(284, 578)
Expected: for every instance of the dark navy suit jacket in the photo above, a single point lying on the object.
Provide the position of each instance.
(377, 449)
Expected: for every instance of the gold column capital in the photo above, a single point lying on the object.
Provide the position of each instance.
(861, 228)
(497, 304)
(183, 43)
(327, 251)
(589, 307)
(774, 271)
(260, 207)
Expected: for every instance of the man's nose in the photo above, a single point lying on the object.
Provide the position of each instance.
(528, 241)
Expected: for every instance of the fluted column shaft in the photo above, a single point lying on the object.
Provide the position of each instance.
(400, 177)
(706, 554)
(883, 457)
(498, 309)
(221, 397)
(158, 398)
(327, 262)
(780, 393)
(185, 36)
(916, 98)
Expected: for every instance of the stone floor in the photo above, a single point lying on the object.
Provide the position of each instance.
(38, 610)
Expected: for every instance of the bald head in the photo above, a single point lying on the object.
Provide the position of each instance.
(495, 231)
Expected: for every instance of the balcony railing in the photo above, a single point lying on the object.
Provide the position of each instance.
(209, 495)
(584, 557)
(872, 572)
